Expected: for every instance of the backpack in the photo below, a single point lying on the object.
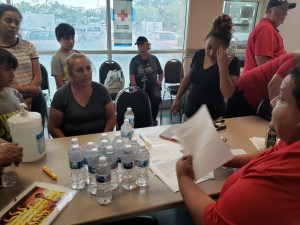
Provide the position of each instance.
(114, 81)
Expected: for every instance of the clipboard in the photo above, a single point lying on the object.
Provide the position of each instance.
(169, 135)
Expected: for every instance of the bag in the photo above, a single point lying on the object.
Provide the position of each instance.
(114, 81)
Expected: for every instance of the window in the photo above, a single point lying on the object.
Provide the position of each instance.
(161, 21)
(244, 17)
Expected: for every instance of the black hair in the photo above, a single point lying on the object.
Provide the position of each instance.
(65, 31)
(221, 29)
(5, 7)
(295, 76)
(7, 58)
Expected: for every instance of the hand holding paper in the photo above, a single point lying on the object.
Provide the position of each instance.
(199, 138)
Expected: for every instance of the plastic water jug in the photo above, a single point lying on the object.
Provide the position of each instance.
(26, 129)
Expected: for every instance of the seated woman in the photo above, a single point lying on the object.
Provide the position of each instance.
(212, 75)
(258, 84)
(81, 106)
(266, 189)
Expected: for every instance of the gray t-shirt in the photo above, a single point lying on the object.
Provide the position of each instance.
(9, 105)
(59, 66)
(150, 68)
(80, 120)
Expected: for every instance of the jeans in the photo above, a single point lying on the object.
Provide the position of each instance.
(154, 93)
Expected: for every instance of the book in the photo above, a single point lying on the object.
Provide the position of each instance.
(40, 203)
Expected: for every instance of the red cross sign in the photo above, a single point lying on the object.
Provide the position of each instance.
(123, 15)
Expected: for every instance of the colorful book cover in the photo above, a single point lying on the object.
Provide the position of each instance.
(40, 203)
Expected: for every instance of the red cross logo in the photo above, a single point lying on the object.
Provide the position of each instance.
(123, 15)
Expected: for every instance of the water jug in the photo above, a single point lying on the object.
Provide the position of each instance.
(26, 128)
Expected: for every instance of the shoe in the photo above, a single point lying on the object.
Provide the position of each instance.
(155, 122)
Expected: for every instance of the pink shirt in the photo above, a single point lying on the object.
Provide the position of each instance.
(264, 40)
(265, 191)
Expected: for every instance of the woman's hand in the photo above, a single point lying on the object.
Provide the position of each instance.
(184, 167)
(222, 58)
(32, 90)
(175, 107)
(10, 153)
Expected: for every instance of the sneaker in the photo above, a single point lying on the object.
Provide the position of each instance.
(155, 122)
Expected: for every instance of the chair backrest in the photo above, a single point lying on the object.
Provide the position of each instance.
(173, 71)
(138, 100)
(45, 79)
(106, 67)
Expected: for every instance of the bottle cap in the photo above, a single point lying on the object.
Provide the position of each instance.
(94, 150)
(126, 120)
(90, 144)
(129, 109)
(102, 159)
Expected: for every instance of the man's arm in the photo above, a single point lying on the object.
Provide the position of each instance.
(274, 86)
(260, 60)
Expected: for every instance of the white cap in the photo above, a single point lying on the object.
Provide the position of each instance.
(94, 150)
(126, 120)
(90, 144)
(129, 109)
(102, 159)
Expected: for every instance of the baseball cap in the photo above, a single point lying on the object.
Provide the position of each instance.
(141, 40)
(280, 4)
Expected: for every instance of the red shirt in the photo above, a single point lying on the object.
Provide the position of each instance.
(265, 191)
(254, 83)
(264, 40)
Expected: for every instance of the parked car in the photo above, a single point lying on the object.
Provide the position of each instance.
(43, 40)
(93, 32)
(163, 39)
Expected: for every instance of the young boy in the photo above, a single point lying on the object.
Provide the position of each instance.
(65, 34)
(10, 98)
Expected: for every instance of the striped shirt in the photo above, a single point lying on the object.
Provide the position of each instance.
(25, 52)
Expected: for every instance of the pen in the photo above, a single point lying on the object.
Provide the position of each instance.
(147, 143)
(49, 173)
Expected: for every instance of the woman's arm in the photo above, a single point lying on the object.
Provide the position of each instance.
(194, 198)
(55, 122)
(132, 80)
(227, 81)
(110, 117)
(182, 89)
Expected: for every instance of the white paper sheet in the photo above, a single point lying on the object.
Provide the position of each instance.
(163, 160)
(199, 138)
(258, 142)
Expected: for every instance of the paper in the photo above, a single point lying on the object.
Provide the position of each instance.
(40, 203)
(152, 135)
(258, 142)
(163, 159)
(199, 138)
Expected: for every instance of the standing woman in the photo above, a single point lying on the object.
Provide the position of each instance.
(28, 74)
(212, 75)
(81, 106)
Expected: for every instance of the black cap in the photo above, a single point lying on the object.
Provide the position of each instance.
(280, 4)
(141, 40)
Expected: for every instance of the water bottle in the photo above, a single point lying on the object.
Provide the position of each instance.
(8, 175)
(134, 145)
(119, 149)
(76, 163)
(116, 138)
(74, 141)
(104, 136)
(112, 160)
(128, 173)
(142, 165)
(102, 146)
(231, 50)
(126, 131)
(103, 177)
(130, 116)
(89, 147)
(93, 161)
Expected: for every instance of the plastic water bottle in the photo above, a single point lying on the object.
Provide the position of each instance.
(128, 173)
(102, 146)
(89, 147)
(116, 138)
(119, 149)
(8, 175)
(104, 136)
(142, 165)
(76, 163)
(134, 145)
(112, 160)
(126, 131)
(130, 116)
(103, 177)
(93, 161)
(74, 141)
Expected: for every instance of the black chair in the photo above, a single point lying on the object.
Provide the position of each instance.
(105, 68)
(138, 100)
(45, 83)
(173, 74)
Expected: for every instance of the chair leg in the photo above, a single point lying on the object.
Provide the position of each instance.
(171, 106)
(161, 108)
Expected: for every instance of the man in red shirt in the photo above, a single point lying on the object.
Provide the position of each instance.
(265, 42)
(266, 189)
